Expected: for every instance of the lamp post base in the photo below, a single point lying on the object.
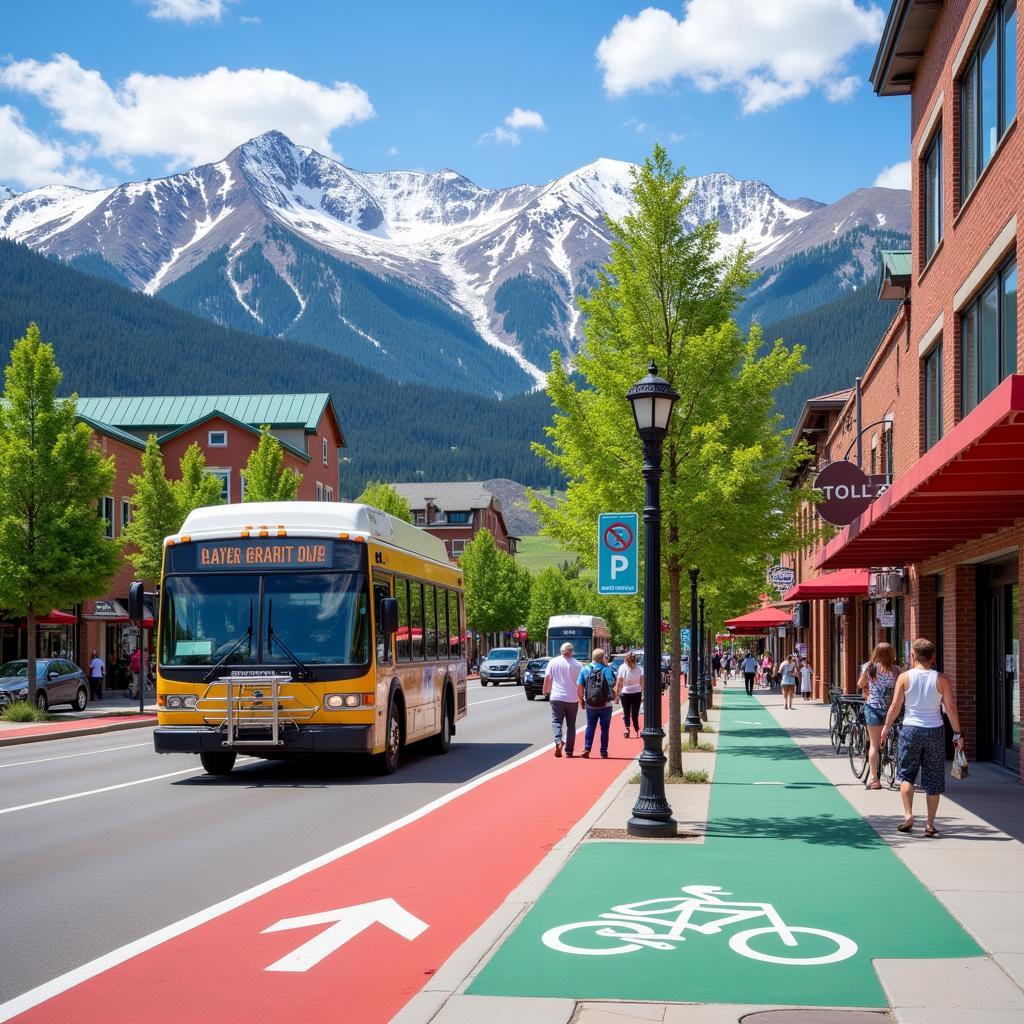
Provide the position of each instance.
(652, 828)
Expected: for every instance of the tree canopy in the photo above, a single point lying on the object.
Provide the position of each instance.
(266, 476)
(383, 496)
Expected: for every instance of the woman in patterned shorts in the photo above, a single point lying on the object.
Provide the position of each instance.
(922, 737)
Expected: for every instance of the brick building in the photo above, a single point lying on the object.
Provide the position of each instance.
(456, 513)
(940, 406)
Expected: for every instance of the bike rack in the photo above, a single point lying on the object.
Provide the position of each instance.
(250, 703)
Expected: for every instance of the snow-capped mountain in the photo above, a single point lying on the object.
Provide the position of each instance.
(262, 238)
(6, 192)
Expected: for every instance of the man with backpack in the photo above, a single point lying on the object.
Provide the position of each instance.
(597, 695)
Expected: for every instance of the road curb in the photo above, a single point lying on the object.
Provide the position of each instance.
(64, 734)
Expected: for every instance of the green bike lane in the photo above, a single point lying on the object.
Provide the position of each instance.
(778, 834)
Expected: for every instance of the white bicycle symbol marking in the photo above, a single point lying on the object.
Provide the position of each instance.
(660, 923)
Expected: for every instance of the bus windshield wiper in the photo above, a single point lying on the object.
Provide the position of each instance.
(273, 638)
(247, 635)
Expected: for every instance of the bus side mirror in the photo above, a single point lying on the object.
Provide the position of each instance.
(136, 609)
(389, 615)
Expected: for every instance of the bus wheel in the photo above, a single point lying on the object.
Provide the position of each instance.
(443, 740)
(218, 762)
(387, 763)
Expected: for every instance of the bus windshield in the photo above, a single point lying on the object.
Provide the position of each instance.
(322, 618)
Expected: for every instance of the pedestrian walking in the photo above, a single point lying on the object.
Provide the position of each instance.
(97, 673)
(922, 692)
(806, 678)
(749, 673)
(878, 678)
(716, 666)
(733, 664)
(767, 669)
(560, 683)
(629, 686)
(787, 671)
(597, 696)
(136, 665)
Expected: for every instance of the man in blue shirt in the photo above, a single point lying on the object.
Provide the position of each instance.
(597, 700)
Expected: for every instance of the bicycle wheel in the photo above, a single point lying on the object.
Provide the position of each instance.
(835, 729)
(609, 938)
(844, 947)
(888, 755)
(859, 748)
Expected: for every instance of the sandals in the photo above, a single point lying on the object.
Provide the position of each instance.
(907, 826)
(874, 784)
(626, 734)
(931, 832)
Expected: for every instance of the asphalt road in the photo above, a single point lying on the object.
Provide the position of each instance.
(87, 874)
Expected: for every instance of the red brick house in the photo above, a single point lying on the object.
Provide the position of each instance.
(456, 513)
(940, 405)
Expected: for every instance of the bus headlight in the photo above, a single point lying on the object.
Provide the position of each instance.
(180, 701)
(343, 701)
(175, 702)
(190, 701)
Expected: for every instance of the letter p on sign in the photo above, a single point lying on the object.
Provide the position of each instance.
(617, 552)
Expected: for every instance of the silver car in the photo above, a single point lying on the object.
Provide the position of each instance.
(502, 665)
(58, 681)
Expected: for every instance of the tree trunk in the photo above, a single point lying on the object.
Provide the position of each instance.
(30, 623)
(675, 741)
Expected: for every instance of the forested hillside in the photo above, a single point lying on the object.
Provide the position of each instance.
(111, 341)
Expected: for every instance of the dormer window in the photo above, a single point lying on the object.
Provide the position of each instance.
(217, 439)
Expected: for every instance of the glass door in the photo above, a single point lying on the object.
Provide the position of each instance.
(1000, 724)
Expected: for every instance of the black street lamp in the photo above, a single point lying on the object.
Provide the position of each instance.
(693, 721)
(652, 399)
(702, 667)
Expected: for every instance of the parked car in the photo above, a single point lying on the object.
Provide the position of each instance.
(502, 665)
(58, 681)
(533, 678)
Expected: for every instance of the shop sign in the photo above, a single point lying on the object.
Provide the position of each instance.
(781, 577)
(801, 649)
(109, 610)
(887, 619)
(847, 491)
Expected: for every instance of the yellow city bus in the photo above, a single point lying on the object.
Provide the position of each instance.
(307, 628)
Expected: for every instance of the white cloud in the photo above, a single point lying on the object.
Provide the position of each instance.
(255, 20)
(30, 160)
(392, 151)
(638, 126)
(897, 176)
(187, 10)
(520, 118)
(508, 133)
(189, 120)
(768, 52)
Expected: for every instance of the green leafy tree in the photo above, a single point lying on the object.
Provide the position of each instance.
(53, 548)
(667, 295)
(383, 496)
(266, 478)
(551, 594)
(195, 487)
(497, 588)
(155, 513)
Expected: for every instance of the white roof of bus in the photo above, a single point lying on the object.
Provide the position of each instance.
(593, 621)
(311, 519)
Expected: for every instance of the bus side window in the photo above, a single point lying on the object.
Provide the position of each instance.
(402, 645)
(383, 641)
(430, 626)
(442, 623)
(416, 620)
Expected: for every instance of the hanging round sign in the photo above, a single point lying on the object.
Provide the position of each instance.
(847, 491)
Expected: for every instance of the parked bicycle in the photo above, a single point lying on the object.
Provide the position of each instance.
(842, 717)
(860, 748)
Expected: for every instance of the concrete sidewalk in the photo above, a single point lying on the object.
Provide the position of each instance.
(975, 871)
(112, 714)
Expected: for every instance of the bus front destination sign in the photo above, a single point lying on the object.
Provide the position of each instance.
(847, 491)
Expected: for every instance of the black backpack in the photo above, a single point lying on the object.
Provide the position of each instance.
(597, 694)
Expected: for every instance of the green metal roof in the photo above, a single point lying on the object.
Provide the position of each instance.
(896, 262)
(106, 428)
(172, 411)
(216, 413)
(895, 278)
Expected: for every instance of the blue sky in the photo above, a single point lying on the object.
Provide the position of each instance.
(98, 92)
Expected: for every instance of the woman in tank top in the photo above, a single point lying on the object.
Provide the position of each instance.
(922, 692)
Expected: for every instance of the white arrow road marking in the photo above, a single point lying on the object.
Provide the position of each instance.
(346, 923)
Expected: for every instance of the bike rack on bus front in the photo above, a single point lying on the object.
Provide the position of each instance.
(247, 705)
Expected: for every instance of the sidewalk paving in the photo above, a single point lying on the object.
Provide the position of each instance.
(113, 714)
(936, 920)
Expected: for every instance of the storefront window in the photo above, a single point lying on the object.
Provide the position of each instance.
(988, 338)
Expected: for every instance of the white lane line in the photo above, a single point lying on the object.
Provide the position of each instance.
(511, 696)
(49, 989)
(107, 789)
(64, 757)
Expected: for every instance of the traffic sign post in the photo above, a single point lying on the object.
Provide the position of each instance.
(617, 554)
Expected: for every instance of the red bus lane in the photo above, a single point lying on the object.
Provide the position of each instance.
(358, 936)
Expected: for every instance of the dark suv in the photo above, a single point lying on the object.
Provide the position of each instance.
(533, 678)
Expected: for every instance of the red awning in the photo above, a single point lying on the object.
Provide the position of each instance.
(967, 485)
(845, 583)
(761, 619)
(56, 618)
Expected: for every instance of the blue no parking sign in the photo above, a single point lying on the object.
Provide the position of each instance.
(617, 552)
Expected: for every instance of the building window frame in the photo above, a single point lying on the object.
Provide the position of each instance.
(217, 439)
(931, 366)
(931, 176)
(324, 440)
(224, 476)
(998, 33)
(319, 490)
(105, 511)
(985, 362)
(126, 513)
(328, 493)
(457, 551)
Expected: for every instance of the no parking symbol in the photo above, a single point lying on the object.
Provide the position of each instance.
(617, 552)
